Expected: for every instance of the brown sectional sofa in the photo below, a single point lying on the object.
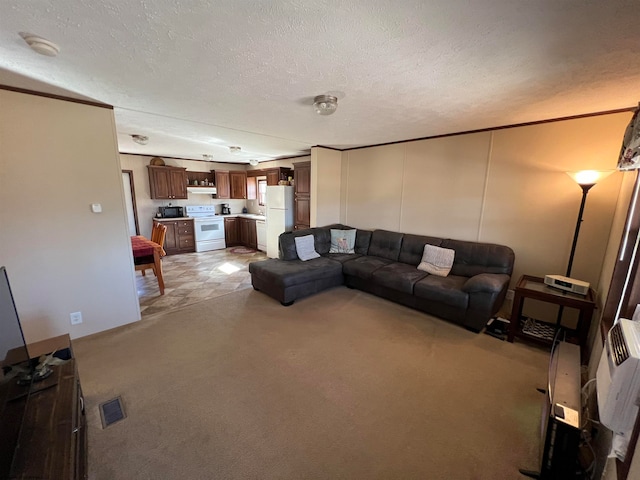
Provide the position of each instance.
(384, 264)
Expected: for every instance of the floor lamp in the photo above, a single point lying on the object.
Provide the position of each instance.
(586, 179)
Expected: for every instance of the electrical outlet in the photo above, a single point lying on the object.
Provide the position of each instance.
(76, 318)
(510, 294)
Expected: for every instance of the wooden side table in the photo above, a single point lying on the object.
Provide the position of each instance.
(543, 333)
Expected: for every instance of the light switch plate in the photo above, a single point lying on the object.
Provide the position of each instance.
(96, 208)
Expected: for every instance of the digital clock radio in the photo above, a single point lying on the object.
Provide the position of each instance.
(569, 284)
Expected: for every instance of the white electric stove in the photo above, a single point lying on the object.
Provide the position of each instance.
(208, 227)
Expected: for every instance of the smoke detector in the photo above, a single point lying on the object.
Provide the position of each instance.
(253, 162)
(140, 139)
(207, 157)
(40, 45)
(235, 150)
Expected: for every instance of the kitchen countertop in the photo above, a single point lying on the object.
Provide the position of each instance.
(252, 216)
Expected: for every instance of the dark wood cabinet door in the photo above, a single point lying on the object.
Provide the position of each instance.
(159, 183)
(252, 188)
(167, 183)
(238, 180)
(171, 237)
(252, 237)
(302, 177)
(223, 187)
(244, 230)
(302, 212)
(231, 237)
(273, 176)
(178, 183)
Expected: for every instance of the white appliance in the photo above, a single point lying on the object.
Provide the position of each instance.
(261, 232)
(208, 227)
(279, 215)
(568, 284)
(618, 376)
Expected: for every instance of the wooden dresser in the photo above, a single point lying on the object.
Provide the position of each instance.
(52, 444)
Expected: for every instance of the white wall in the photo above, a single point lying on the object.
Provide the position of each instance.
(326, 186)
(56, 159)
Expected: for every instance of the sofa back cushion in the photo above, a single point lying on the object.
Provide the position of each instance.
(473, 258)
(413, 247)
(287, 243)
(385, 244)
(363, 240)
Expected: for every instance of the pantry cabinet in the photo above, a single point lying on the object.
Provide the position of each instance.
(167, 183)
(302, 195)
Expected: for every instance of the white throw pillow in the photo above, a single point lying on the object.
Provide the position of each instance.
(343, 241)
(305, 248)
(436, 260)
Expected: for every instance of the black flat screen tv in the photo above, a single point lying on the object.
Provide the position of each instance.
(15, 375)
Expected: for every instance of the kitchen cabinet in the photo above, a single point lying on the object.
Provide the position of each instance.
(238, 180)
(248, 234)
(223, 186)
(231, 232)
(302, 195)
(274, 175)
(167, 183)
(180, 236)
(252, 188)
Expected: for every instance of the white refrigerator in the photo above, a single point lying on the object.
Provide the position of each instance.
(279, 215)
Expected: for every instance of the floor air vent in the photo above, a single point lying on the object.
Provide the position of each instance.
(111, 412)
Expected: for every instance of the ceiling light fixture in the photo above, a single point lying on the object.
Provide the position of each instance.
(235, 150)
(253, 162)
(40, 45)
(207, 157)
(140, 139)
(325, 104)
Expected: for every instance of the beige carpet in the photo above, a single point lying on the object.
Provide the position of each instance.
(341, 385)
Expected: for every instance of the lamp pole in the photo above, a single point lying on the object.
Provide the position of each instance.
(585, 190)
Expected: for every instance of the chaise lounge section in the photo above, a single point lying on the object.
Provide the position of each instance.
(385, 263)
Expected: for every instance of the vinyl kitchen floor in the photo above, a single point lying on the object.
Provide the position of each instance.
(193, 277)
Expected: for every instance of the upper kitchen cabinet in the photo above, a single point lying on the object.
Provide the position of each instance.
(238, 180)
(223, 185)
(274, 175)
(167, 183)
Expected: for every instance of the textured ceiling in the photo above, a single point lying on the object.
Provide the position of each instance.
(198, 76)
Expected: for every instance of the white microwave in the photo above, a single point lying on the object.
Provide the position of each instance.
(618, 377)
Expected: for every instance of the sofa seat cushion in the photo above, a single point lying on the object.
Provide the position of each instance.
(447, 290)
(295, 272)
(363, 267)
(398, 276)
(342, 257)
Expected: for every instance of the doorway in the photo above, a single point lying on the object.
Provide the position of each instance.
(130, 202)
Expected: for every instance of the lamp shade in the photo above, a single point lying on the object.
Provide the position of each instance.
(589, 177)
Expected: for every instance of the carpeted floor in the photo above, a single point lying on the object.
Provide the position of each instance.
(341, 385)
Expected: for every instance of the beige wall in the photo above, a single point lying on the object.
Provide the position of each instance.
(326, 186)
(506, 186)
(56, 159)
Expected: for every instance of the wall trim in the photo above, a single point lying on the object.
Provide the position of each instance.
(56, 97)
(490, 129)
(211, 161)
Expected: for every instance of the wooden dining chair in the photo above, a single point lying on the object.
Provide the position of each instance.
(158, 232)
